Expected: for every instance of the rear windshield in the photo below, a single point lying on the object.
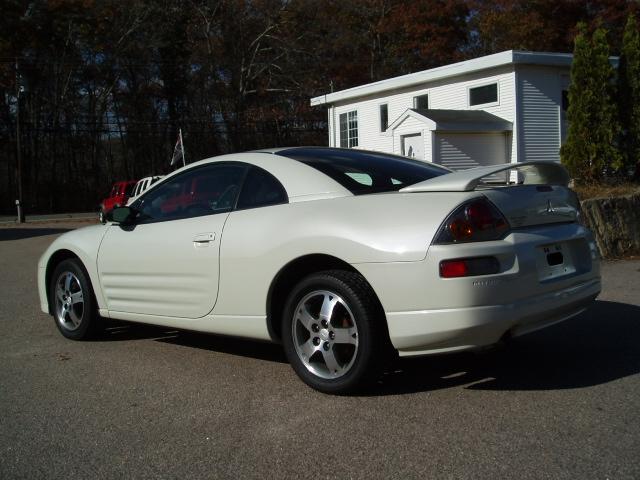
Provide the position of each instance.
(363, 172)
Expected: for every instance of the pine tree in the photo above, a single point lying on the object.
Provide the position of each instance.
(605, 116)
(590, 148)
(629, 96)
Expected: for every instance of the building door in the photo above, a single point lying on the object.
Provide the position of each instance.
(413, 146)
(459, 151)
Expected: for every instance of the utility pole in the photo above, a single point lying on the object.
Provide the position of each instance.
(19, 203)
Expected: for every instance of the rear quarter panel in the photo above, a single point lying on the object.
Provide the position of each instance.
(258, 243)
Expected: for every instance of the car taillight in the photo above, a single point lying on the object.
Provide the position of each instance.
(469, 267)
(474, 221)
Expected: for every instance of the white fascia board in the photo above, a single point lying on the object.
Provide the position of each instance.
(460, 68)
(452, 70)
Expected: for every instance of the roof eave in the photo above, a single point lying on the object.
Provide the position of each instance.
(508, 57)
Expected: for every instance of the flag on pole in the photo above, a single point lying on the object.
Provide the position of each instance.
(178, 150)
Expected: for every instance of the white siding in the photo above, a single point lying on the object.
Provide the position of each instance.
(540, 92)
(450, 93)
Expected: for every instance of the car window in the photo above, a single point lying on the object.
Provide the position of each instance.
(261, 189)
(363, 172)
(200, 191)
(362, 178)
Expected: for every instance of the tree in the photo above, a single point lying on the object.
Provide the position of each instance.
(629, 96)
(541, 25)
(589, 149)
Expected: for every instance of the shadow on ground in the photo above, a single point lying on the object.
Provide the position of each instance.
(22, 233)
(596, 347)
(121, 331)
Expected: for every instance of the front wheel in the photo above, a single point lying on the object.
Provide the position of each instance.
(333, 332)
(72, 299)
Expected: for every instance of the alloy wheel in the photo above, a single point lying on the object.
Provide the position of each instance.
(69, 301)
(325, 334)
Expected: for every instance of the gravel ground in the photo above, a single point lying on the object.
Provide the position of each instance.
(146, 402)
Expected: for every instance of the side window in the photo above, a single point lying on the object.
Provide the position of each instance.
(565, 100)
(421, 102)
(483, 94)
(384, 117)
(349, 129)
(261, 189)
(200, 191)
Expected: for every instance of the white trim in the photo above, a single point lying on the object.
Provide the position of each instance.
(482, 106)
(409, 113)
(455, 69)
(415, 133)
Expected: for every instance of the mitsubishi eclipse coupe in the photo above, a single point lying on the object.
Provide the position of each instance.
(346, 257)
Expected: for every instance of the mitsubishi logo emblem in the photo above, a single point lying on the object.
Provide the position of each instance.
(549, 207)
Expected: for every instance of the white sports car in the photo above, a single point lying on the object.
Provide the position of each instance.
(344, 256)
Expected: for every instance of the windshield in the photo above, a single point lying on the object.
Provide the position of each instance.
(363, 172)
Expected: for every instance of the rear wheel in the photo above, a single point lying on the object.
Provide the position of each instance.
(72, 299)
(333, 333)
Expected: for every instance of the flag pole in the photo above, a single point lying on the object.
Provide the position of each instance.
(182, 146)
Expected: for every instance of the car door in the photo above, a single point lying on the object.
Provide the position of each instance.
(166, 263)
(249, 232)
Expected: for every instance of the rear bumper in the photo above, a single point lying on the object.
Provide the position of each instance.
(429, 314)
(437, 331)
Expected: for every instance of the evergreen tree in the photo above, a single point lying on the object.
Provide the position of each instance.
(589, 148)
(629, 96)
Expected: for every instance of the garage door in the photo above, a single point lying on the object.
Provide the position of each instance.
(459, 151)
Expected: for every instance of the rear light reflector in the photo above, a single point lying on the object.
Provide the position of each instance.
(453, 268)
(469, 267)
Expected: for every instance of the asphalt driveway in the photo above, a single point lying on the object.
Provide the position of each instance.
(147, 402)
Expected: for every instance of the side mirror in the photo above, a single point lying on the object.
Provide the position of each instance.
(122, 215)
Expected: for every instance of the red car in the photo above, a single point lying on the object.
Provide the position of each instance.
(120, 193)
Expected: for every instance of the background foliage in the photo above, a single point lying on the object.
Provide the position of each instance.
(590, 148)
(108, 83)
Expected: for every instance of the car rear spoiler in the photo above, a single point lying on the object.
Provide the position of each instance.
(535, 173)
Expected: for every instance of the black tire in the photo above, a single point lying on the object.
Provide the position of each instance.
(76, 316)
(358, 307)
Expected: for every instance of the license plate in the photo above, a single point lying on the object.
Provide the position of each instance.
(554, 261)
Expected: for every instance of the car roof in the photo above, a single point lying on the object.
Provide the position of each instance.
(301, 181)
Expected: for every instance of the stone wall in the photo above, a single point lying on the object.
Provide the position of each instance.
(615, 223)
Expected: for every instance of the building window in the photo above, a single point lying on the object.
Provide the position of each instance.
(421, 102)
(384, 117)
(349, 129)
(565, 100)
(484, 94)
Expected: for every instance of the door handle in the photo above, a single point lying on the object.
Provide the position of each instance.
(204, 239)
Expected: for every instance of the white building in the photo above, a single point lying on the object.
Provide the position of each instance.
(501, 108)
